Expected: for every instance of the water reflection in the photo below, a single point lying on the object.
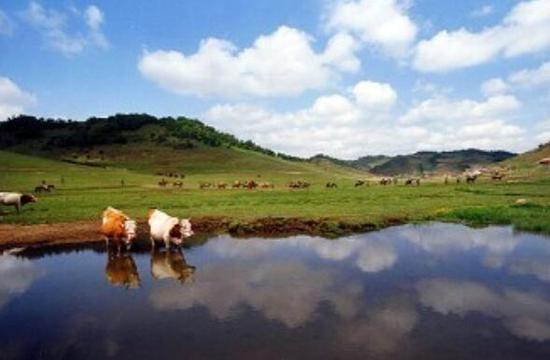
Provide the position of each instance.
(170, 264)
(16, 276)
(404, 292)
(121, 269)
(523, 313)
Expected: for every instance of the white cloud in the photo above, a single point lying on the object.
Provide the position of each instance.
(53, 25)
(384, 24)
(6, 24)
(279, 64)
(532, 77)
(482, 11)
(444, 111)
(494, 86)
(13, 100)
(449, 50)
(374, 95)
(343, 126)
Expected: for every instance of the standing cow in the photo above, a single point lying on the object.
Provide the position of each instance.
(118, 227)
(169, 229)
(16, 200)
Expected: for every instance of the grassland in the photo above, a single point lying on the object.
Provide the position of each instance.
(86, 190)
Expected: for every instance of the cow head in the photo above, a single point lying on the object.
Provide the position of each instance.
(26, 198)
(180, 231)
(130, 230)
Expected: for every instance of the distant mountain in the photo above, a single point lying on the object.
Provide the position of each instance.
(439, 162)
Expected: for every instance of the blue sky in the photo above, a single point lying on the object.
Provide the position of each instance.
(342, 77)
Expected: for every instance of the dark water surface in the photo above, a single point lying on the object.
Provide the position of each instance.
(435, 291)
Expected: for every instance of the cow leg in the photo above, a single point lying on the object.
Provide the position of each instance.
(18, 208)
(152, 242)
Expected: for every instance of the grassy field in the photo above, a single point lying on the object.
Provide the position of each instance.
(86, 190)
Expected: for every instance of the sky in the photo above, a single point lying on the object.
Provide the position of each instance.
(346, 78)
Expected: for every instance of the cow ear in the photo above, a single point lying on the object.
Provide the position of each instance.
(121, 225)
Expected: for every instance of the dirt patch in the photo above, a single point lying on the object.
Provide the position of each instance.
(88, 232)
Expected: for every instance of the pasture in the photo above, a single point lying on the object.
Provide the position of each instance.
(83, 191)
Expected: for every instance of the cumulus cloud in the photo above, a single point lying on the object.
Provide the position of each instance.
(374, 95)
(13, 100)
(53, 25)
(482, 11)
(6, 24)
(365, 123)
(382, 24)
(279, 64)
(522, 79)
(450, 50)
(524, 314)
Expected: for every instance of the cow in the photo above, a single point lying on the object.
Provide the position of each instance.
(169, 229)
(359, 183)
(121, 270)
(118, 226)
(170, 264)
(471, 178)
(16, 200)
(331, 185)
(250, 184)
(205, 185)
(266, 185)
(236, 184)
(40, 188)
(412, 181)
(221, 185)
(177, 184)
(497, 177)
(163, 183)
(385, 181)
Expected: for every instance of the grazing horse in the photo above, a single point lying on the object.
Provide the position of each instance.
(497, 177)
(359, 183)
(178, 184)
(266, 185)
(221, 185)
(163, 183)
(236, 184)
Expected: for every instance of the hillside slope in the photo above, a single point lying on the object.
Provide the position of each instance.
(439, 162)
(147, 145)
(527, 164)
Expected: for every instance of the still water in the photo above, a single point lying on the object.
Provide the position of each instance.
(435, 291)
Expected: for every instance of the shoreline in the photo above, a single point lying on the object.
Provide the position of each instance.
(88, 232)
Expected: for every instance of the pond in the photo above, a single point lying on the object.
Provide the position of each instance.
(429, 291)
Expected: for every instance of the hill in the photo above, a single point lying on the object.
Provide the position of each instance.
(439, 162)
(527, 164)
(148, 145)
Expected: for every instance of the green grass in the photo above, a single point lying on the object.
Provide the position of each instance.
(88, 190)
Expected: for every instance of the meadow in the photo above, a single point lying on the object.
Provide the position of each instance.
(83, 191)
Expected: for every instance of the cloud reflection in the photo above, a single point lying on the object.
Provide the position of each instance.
(524, 314)
(16, 276)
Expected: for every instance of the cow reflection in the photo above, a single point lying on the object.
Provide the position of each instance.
(170, 264)
(121, 270)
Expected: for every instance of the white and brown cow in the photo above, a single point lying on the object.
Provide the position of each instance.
(117, 226)
(169, 229)
(16, 199)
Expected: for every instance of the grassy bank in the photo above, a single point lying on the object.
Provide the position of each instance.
(85, 191)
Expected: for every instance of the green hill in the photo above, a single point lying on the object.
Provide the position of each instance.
(527, 164)
(439, 162)
(147, 145)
